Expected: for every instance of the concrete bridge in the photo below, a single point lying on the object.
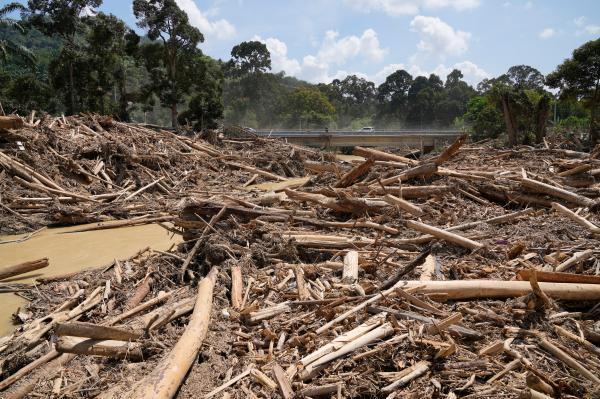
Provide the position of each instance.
(423, 139)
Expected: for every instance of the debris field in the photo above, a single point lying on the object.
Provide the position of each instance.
(471, 272)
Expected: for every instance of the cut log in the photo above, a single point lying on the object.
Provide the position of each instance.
(568, 360)
(410, 192)
(557, 277)
(403, 204)
(258, 171)
(93, 347)
(450, 151)
(381, 155)
(11, 271)
(580, 220)
(303, 293)
(539, 187)
(356, 173)
(578, 257)
(164, 381)
(424, 170)
(471, 289)
(350, 271)
(444, 235)
(93, 331)
(11, 122)
(346, 204)
(237, 287)
(409, 374)
(283, 382)
(140, 293)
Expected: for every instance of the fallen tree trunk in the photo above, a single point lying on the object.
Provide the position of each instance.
(95, 347)
(539, 187)
(166, 378)
(23, 268)
(356, 173)
(558, 277)
(93, 331)
(420, 171)
(11, 122)
(444, 235)
(580, 220)
(472, 289)
(381, 155)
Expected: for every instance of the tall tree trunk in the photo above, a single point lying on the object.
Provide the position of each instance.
(542, 112)
(509, 120)
(174, 116)
(72, 88)
(594, 123)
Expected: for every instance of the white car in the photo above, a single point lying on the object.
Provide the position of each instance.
(367, 129)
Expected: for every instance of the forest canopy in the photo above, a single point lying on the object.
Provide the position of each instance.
(59, 59)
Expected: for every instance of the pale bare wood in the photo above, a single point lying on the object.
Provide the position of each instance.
(568, 360)
(567, 195)
(258, 171)
(228, 383)
(356, 173)
(451, 150)
(164, 381)
(283, 382)
(580, 220)
(419, 171)
(382, 155)
(263, 379)
(578, 257)
(413, 372)
(237, 287)
(403, 204)
(444, 235)
(576, 338)
(94, 331)
(303, 293)
(350, 270)
(428, 268)
(470, 289)
(108, 348)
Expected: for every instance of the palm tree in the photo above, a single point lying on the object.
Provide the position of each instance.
(9, 47)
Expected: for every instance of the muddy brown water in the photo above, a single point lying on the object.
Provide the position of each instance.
(73, 252)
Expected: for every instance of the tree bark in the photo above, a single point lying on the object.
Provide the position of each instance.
(542, 111)
(509, 120)
(174, 116)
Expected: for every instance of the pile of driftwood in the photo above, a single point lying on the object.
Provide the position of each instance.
(469, 273)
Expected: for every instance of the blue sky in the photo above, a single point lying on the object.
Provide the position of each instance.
(319, 40)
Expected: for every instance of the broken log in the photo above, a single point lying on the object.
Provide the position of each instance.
(164, 381)
(94, 347)
(356, 173)
(237, 287)
(350, 271)
(544, 188)
(472, 289)
(11, 122)
(580, 220)
(381, 155)
(578, 257)
(22, 268)
(444, 235)
(403, 204)
(424, 170)
(93, 331)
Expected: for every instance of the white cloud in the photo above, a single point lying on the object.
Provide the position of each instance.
(338, 51)
(410, 7)
(547, 33)
(473, 74)
(220, 29)
(333, 51)
(585, 29)
(438, 38)
(592, 29)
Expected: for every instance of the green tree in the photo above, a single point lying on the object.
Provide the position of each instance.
(307, 106)
(62, 18)
(250, 58)
(579, 77)
(205, 107)
(9, 47)
(168, 61)
(392, 96)
(483, 118)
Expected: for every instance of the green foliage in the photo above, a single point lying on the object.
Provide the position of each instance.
(484, 118)
(249, 58)
(9, 47)
(579, 77)
(309, 108)
(172, 60)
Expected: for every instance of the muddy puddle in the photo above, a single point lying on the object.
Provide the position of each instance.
(73, 252)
